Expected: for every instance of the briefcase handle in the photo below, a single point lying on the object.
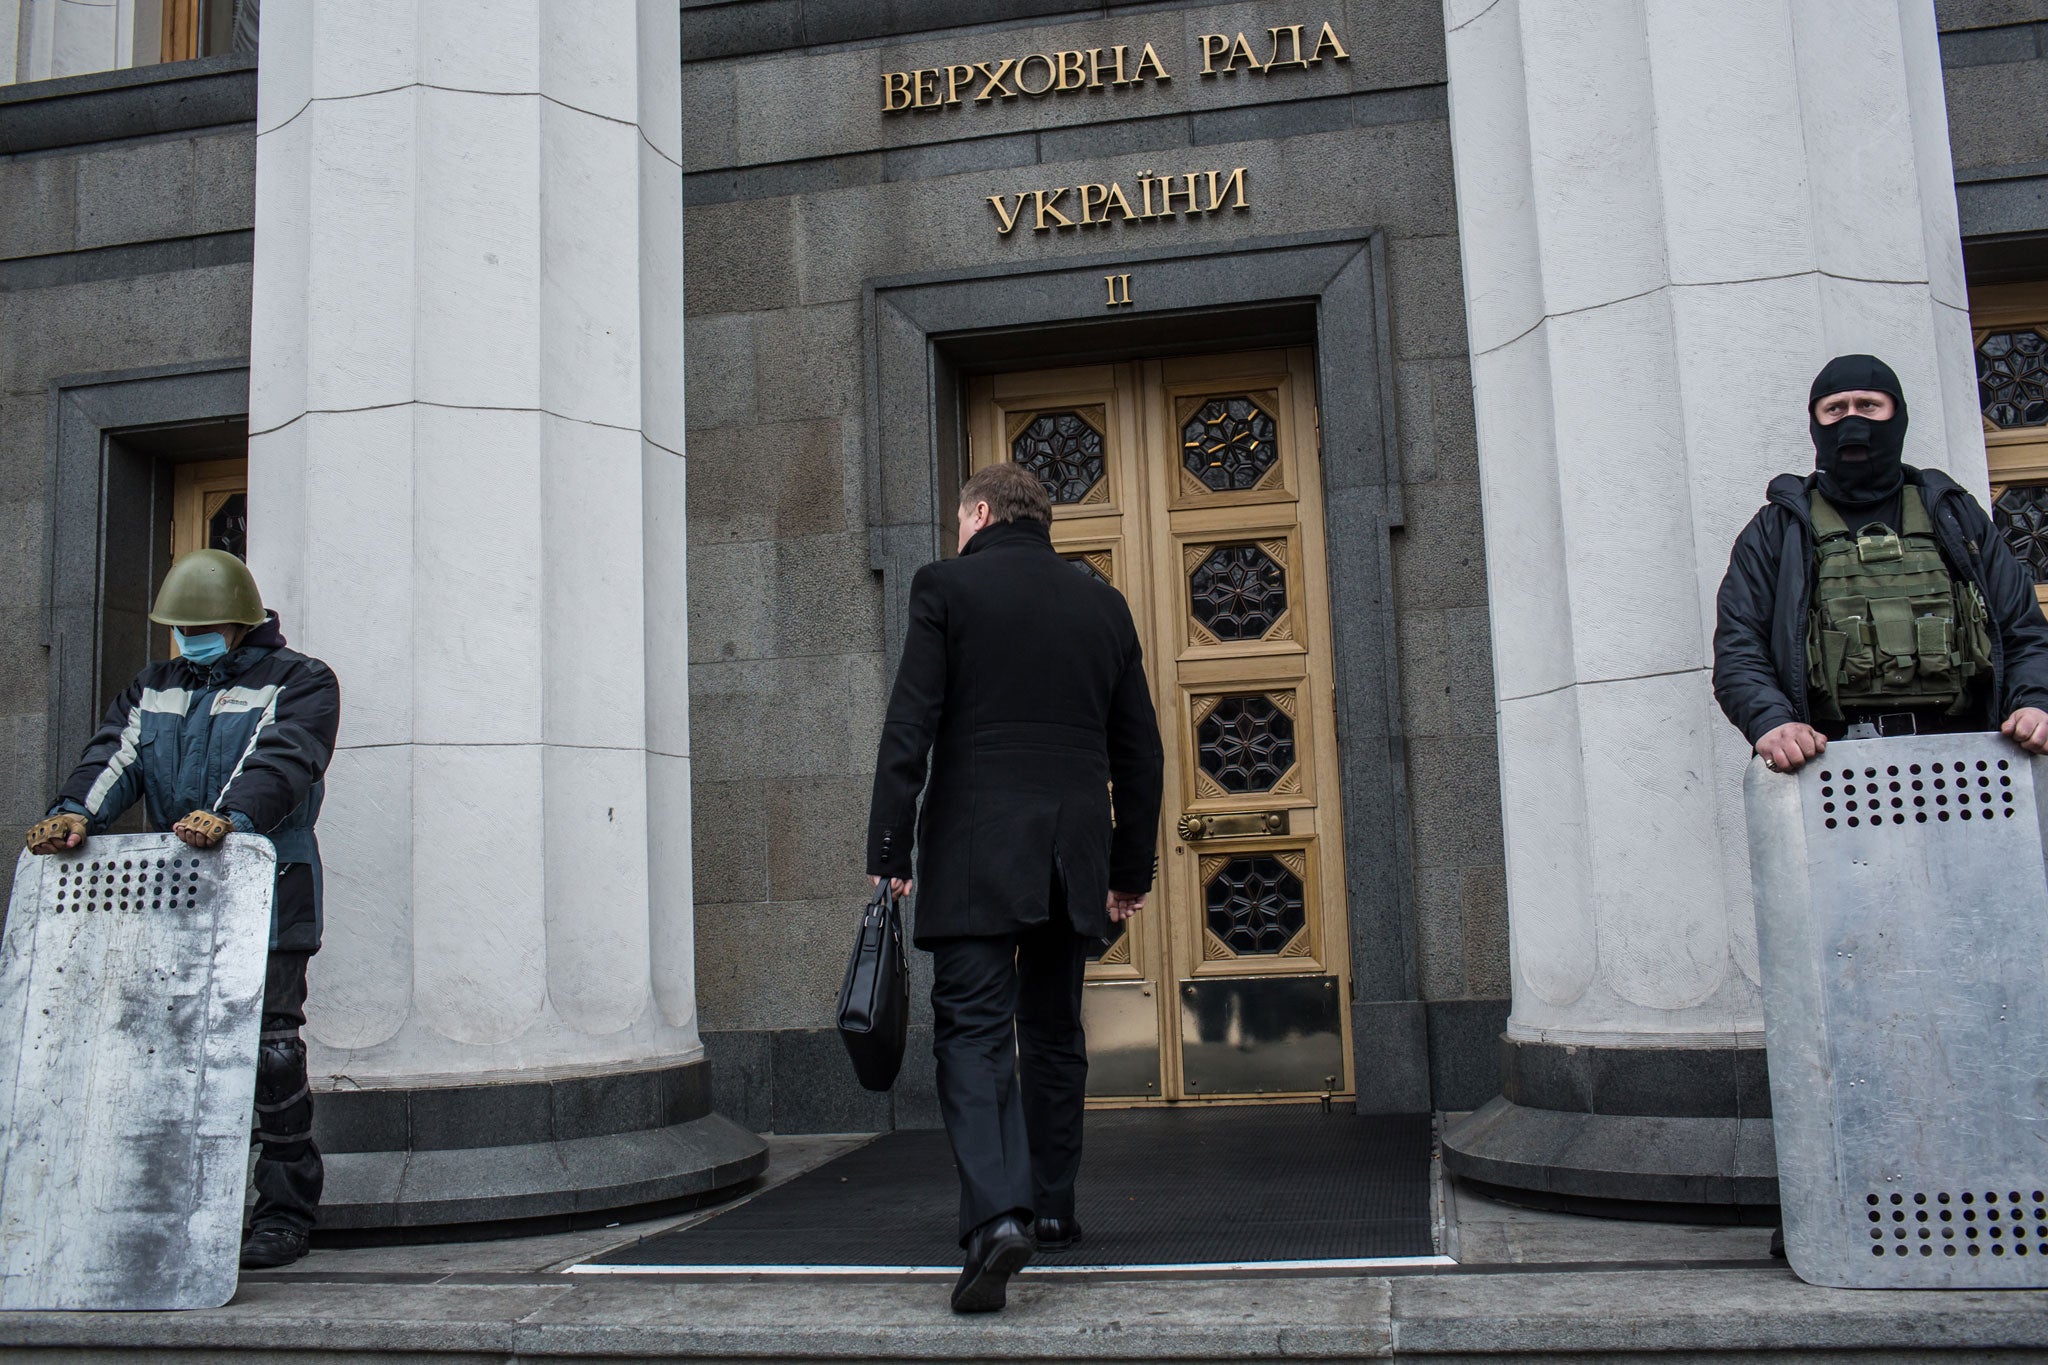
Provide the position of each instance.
(879, 906)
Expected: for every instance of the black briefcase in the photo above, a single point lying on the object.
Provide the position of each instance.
(874, 1003)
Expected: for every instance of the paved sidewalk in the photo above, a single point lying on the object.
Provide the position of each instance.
(1528, 1285)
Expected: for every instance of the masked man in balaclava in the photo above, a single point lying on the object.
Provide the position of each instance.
(1873, 594)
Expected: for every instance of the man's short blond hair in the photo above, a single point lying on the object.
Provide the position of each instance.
(1012, 492)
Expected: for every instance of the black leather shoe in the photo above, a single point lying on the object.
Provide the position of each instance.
(269, 1248)
(1057, 1234)
(996, 1250)
(1778, 1243)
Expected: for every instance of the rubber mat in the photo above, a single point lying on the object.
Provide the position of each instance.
(1181, 1187)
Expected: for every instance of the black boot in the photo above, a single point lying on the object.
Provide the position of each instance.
(1778, 1242)
(996, 1250)
(275, 1246)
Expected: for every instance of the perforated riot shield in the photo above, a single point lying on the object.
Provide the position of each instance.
(1902, 921)
(131, 987)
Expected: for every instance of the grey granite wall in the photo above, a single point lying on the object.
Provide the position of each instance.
(798, 192)
(126, 206)
(1994, 56)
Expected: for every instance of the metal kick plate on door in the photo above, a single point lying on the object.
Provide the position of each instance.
(1262, 1035)
(1122, 1022)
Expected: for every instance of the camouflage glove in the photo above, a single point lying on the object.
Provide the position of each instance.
(56, 834)
(202, 829)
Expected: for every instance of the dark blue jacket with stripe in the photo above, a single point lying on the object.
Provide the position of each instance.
(247, 738)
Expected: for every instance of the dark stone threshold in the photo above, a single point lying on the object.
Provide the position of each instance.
(168, 97)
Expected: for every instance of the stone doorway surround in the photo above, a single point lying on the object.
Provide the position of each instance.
(925, 333)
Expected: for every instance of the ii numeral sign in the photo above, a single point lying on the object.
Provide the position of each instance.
(1119, 290)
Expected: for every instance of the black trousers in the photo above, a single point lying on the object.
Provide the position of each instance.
(288, 1171)
(1013, 1068)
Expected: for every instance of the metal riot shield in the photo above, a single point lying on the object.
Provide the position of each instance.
(131, 987)
(1902, 924)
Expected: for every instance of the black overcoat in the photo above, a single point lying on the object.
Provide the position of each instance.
(1760, 628)
(1023, 681)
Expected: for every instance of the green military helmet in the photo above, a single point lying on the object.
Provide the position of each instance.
(208, 588)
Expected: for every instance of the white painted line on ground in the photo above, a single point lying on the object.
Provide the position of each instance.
(1361, 1263)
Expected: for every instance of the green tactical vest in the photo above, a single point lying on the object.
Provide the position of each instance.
(1890, 628)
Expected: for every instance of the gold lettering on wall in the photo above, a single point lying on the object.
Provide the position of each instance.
(1233, 52)
(1032, 76)
(1119, 290)
(1186, 195)
(1042, 75)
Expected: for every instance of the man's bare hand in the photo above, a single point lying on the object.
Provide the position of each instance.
(2028, 727)
(902, 886)
(1792, 744)
(1124, 904)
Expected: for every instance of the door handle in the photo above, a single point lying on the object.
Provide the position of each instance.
(1244, 825)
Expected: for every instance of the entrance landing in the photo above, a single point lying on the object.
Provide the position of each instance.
(1284, 1187)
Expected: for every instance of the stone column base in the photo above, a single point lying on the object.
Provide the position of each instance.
(521, 1156)
(1602, 1129)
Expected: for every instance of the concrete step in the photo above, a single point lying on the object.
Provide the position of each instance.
(1740, 1312)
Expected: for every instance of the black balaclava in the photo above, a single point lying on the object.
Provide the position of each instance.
(1876, 479)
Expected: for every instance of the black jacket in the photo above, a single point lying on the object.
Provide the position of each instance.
(1760, 634)
(1023, 680)
(248, 738)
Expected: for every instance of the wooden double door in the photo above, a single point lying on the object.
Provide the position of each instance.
(1193, 486)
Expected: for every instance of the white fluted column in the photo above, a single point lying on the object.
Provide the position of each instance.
(1671, 214)
(467, 486)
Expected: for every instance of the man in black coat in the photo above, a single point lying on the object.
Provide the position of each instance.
(1763, 680)
(1023, 681)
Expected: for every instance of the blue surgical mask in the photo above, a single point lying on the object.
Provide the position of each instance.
(201, 650)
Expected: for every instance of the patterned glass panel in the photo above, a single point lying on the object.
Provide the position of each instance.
(1064, 451)
(2012, 378)
(1238, 592)
(228, 528)
(2021, 513)
(1102, 946)
(1229, 444)
(1255, 905)
(1246, 743)
(1081, 562)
